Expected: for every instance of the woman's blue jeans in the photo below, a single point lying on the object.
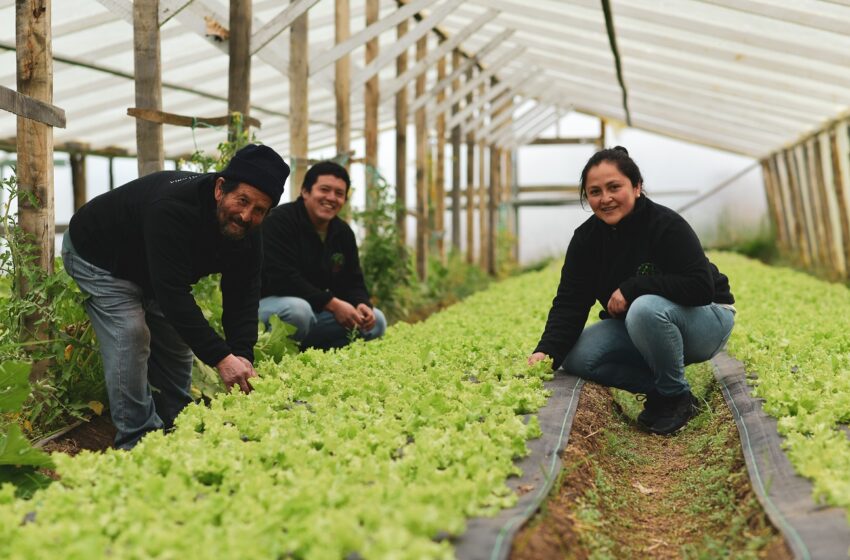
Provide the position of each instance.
(146, 365)
(314, 330)
(651, 347)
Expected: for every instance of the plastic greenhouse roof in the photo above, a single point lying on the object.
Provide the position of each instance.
(746, 76)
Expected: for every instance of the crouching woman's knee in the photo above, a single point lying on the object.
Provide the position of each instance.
(294, 311)
(646, 312)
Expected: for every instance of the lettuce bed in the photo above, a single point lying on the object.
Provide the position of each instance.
(793, 332)
(381, 450)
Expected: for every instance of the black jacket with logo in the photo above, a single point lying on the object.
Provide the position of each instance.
(652, 250)
(297, 263)
(161, 232)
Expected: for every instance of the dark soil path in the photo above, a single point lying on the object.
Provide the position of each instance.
(628, 494)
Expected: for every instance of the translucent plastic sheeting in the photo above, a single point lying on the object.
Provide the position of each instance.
(491, 537)
(812, 531)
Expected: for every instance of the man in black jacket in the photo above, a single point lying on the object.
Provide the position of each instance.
(311, 269)
(136, 251)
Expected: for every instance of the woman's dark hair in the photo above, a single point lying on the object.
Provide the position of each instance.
(325, 168)
(617, 155)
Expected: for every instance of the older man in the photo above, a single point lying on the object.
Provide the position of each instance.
(311, 268)
(135, 253)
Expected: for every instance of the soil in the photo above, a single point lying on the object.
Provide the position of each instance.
(632, 483)
(95, 435)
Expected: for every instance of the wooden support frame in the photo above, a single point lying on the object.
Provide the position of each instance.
(239, 64)
(32, 109)
(470, 183)
(444, 47)
(281, 22)
(422, 28)
(299, 109)
(161, 117)
(823, 240)
(342, 78)
(440, 172)
(470, 63)
(833, 206)
(840, 148)
(810, 206)
(482, 187)
(401, 142)
(421, 171)
(371, 101)
(801, 229)
(150, 151)
(371, 32)
(496, 90)
(78, 178)
(456, 157)
(519, 123)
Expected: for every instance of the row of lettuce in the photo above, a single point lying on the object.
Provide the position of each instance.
(383, 449)
(793, 335)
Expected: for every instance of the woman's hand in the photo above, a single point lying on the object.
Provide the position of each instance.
(617, 305)
(536, 357)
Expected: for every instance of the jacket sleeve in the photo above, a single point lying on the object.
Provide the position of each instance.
(282, 263)
(571, 305)
(354, 291)
(168, 245)
(240, 293)
(685, 275)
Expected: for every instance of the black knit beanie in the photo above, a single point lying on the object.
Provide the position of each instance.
(261, 167)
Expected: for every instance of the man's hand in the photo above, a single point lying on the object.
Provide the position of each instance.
(537, 357)
(367, 317)
(617, 305)
(344, 313)
(236, 371)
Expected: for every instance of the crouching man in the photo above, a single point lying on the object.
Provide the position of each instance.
(135, 253)
(311, 269)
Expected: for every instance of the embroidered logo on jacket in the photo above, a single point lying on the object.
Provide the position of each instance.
(648, 269)
(337, 262)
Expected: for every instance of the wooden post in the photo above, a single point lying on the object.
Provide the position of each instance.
(495, 186)
(148, 69)
(814, 182)
(470, 185)
(78, 178)
(773, 201)
(841, 179)
(401, 143)
(440, 172)
(833, 205)
(239, 64)
(799, 209)
(371, 101)
(483, 221)
(421, 170)
(514, 194)
(36, 210)
(342, 81)
(456, 62)
(299, 109)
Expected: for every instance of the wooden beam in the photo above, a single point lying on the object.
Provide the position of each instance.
(421, 171)
(490, 71)
(814, 178)
(494, 91)
(469, 63)
(32, 109)
(147, 63)
(342, 79)
(483, 222)
(161, 117)
(840, 147)
(371, 101)
(824, 155)
(470, 182)
(564, 141)
(401, 143)
(542, 125)
(239, 64)
(371, 32)
(425, 26)
(529, 116)
(78, 179)
(440, 172)
(456, 62)
(280, 23)
(450, 45)
(299, 109)
(36, 207)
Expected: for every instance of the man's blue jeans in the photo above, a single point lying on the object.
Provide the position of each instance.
(314, 330)
(650, 349)
(147, 366)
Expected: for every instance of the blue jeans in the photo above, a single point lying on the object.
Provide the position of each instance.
(650, 349)
(146, 365)
(314, 330)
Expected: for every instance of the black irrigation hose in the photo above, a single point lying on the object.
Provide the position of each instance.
(612, 39)
(811, 531)
(490, 538)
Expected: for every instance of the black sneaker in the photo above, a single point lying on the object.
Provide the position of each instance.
(651, 406)
(674, 413)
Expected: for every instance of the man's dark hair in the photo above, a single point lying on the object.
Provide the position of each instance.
(325, 168)
(617, 155)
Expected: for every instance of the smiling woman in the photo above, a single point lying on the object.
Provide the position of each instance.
(666, 305)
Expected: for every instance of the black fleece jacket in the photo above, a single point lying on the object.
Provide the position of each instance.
(161, 233)
(297, 263)
(653, 250)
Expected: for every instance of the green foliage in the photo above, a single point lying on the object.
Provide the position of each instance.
(793, 334)
(276, 342)
(205, 163)
(60, 340)
(370, 451)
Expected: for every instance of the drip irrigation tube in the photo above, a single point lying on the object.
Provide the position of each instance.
(490, 538)
(812, 531)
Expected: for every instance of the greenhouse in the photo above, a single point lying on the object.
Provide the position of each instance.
(424, 279)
